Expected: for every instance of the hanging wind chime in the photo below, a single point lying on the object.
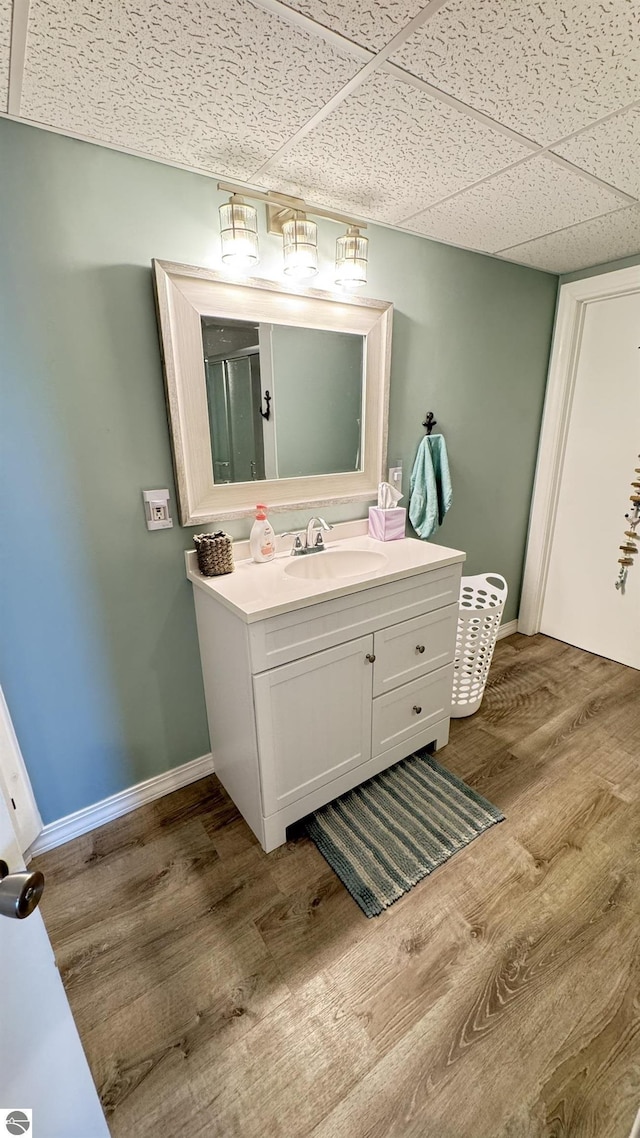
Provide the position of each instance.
(630, 548)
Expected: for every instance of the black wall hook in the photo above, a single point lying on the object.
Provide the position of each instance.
(266, 414)
(429, 423)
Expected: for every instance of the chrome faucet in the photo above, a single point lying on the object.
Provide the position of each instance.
(315, 540)
(309, 540)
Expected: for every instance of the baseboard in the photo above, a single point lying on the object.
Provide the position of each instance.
(507, 629)
(71, 826)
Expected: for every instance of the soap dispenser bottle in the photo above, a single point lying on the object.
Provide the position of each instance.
(262, 540)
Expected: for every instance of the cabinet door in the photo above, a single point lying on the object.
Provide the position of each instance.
(314, 721)
(413, 648)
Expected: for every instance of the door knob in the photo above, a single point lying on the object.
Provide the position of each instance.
(20, 893)
(420, 648)
(370, 658)
(417, 709)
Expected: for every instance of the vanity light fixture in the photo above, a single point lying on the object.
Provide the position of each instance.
(352, 254)
(300, 247)
(239, 233)
(287, 217)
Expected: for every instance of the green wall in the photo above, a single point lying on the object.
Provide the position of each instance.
(99, 655)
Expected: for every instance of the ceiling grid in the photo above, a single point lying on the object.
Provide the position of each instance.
(511, 128)
(5, 51)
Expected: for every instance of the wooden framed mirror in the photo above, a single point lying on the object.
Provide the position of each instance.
(272, 395)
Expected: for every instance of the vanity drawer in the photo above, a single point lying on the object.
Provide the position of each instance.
(289, 636)
(413, 648)
(408, 710)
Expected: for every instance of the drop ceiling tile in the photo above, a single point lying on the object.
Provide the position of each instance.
(389, 150)
(545, 69)
(369, 24)
(517, 205)
(211, 84)
(5, 44)
(593, 243)
(610, 150)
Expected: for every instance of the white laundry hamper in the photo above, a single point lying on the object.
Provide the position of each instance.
(482, 601)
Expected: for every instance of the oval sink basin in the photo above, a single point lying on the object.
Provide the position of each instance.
(333, 564)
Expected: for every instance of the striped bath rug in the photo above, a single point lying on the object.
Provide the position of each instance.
(393, 830)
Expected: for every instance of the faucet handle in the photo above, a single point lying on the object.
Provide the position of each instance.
(322, 525)
(298, 544)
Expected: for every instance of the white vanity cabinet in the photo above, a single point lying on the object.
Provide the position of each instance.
(308, 702)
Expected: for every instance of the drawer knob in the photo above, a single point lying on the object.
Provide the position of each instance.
(370, 658)
(417, 709)
(420, 648)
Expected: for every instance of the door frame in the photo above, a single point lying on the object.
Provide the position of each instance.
(565, 354)
(15, 784)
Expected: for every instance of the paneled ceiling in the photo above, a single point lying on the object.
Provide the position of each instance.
(507, 126)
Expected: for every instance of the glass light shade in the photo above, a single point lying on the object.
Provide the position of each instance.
(239, 234)
(300, 247)
(352, 252)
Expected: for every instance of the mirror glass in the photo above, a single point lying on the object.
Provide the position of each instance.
(283, 401)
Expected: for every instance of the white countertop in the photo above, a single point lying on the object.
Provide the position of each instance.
(256, 591)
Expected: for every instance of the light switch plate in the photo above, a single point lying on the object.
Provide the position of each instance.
(395, 476)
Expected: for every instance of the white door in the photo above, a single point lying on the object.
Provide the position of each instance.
(314, 720)
(43, 1068)
(581, 604)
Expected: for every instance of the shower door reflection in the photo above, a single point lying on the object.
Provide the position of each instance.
(234, 397)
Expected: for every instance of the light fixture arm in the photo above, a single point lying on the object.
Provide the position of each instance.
(283, 207)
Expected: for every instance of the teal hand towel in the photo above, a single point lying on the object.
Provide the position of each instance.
(431, 491)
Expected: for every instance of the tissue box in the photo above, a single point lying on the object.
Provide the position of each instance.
(387, 525)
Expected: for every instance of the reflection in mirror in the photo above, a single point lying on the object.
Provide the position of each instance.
(232, 370)
(283, 401)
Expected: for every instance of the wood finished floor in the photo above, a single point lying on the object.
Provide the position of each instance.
(221, 991)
